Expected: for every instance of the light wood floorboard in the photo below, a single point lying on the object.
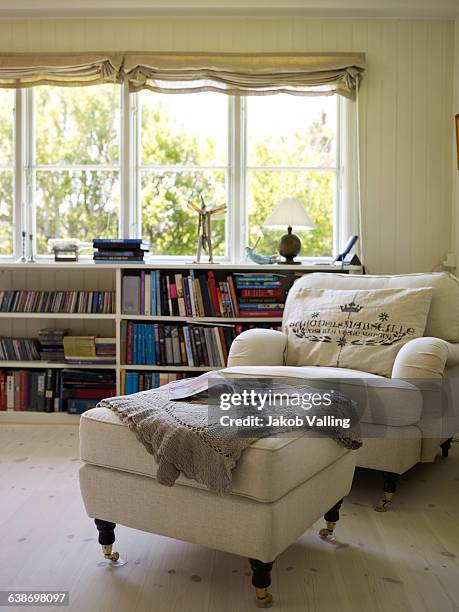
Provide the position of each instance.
(406, 560)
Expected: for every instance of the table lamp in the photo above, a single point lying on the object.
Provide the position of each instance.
(289, 212)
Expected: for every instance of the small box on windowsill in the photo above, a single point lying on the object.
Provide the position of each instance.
(66, 253)
(65, 249)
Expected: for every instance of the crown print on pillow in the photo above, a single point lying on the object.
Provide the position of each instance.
(356, 329)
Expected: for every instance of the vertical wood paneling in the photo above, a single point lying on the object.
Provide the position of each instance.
(404, 148)
(405, 106)
(388, 175)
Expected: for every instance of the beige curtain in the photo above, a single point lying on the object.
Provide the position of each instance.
(246, 74)
(65, 69)
(230, 73)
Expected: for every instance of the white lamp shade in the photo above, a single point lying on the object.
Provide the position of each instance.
(290, 213)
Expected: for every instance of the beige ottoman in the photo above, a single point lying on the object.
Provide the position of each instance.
(281, 486)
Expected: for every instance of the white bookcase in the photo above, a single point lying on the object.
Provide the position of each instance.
(87, 276)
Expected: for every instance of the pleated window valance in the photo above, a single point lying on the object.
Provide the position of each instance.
(64, 69)
(229, 73)
(246, 74)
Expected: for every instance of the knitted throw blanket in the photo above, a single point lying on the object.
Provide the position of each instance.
(183, 439)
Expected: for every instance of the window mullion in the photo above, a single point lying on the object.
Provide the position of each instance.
(239, 217)
(18, 211)
(27, 179)
(125, 222)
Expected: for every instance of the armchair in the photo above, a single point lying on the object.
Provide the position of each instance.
(397, 434)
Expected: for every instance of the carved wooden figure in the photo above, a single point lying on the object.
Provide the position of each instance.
(204, 242)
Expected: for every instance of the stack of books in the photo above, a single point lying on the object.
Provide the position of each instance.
(260, 294)
(82, 390)
(81, 350)
(119, 250)
(52, 344)
(160, 294)
(57, 301)
(132, 382)
(106, 348)
(19, 349)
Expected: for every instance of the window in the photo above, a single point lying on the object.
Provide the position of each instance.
(75, 164)
(79, 149)
(292, 150)
(183, 157)
(6, 170)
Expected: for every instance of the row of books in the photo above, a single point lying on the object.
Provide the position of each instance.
(57, 301)
(132, 382)
(201, 295)
(55, 345)
(119, 250)
(19, 349)
(53, 390)
(172, 345)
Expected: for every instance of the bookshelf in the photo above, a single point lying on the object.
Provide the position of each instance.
(47, 275)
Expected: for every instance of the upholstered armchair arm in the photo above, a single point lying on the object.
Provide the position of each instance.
(425, 358)
(258, 347)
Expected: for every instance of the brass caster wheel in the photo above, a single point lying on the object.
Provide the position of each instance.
(111, 558)
(385, 504)
(328, 532)
(264, 599)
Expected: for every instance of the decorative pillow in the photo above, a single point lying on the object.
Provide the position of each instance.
(356, 329)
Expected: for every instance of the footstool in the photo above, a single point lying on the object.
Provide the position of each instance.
(281, 486)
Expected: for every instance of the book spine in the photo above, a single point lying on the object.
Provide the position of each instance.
(193, 301)
(153, 310)
(142, 292)
(232, 292)
(10, 391)
(186, 292)
(49, 391)
(188, 346)
(147, 295)
(129, 342)
(213, 294)
(168, 345)
(2, 391)
(177, 359)
(205, 352)
(180, 296)
(157, 344)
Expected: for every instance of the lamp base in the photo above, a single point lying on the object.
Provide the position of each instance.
(289, 247)
(289, 262)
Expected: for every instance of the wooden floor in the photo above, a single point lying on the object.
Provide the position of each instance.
(405, 560)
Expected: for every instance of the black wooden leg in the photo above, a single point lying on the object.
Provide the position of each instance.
(261, 579)
(390, 486)
(107, 538)
(332, 517)
(445, 447)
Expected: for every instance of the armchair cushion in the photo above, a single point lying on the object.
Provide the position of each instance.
(382, 401)
(357, 329)
(258, 347)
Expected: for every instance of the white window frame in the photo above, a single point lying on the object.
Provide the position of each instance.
(345, 215)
